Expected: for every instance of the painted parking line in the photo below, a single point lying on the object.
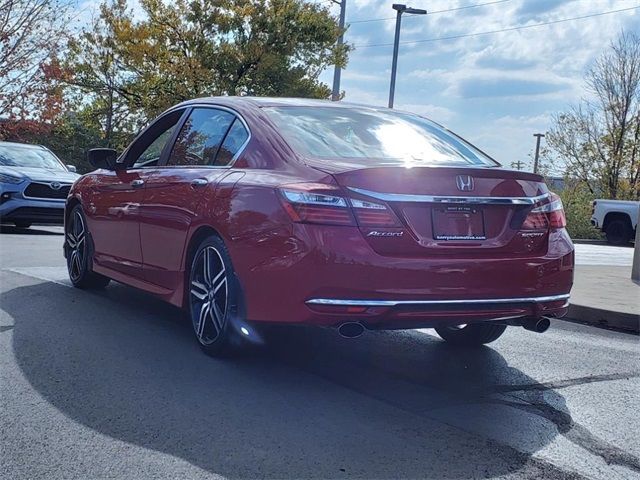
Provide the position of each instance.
(56, 275)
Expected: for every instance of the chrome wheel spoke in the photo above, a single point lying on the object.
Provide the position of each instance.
(74, 264)
(75, 241)
(205, 312)
(217, 316)
(79, 224)
(208, 295)
(218, 282)
(77, 262)
(199, 290)
(72, 261)
(71, 240)
(207, 267)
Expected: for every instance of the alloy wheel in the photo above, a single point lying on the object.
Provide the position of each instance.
(77, 246)
(209, 294)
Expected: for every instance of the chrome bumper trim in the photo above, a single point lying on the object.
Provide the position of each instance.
(401, 197)
(393, 303)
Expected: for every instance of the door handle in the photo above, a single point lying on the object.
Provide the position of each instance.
(137, 183)
(199, 182)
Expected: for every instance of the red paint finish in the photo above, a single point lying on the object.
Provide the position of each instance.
(112, 203)
(170, 207)
(143, 236)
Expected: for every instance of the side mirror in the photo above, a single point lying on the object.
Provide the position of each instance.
(72, 168)
(102, 158)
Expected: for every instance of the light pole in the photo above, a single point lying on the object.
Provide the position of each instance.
(535, 159)
(337, 71)
(400, 9)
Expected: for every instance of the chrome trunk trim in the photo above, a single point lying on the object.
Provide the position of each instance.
(393, 303)
(401, 197)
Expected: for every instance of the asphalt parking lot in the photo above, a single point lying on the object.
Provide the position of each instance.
(112, 384)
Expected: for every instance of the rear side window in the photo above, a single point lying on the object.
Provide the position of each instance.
(201, 137)
(232, 144)
(380, 137)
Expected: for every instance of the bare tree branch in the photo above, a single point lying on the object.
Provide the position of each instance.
(598, 140)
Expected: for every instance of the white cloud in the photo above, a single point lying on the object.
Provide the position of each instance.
(436, 113)
(496, 89)
(509, 134)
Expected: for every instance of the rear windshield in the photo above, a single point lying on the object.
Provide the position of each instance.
(383, 138)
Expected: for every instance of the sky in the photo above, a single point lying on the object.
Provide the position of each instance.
(494, 90)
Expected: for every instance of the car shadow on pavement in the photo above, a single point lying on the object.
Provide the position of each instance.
(308, 404)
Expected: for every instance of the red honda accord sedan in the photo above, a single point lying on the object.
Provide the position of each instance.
(247, 211)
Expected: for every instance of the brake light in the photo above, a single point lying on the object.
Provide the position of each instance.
(316, 203)
(546, 216)
(370, 214)
(310, 207)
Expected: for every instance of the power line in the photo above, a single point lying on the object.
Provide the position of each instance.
(430, 12)
(510, 29)
(517, 165)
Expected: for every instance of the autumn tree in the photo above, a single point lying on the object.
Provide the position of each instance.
(598, 140)
(31, 32)
(134, 69)
(101, 80)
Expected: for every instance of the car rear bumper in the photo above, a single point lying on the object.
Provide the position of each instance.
(436, 303)
(390, 314)
(329, 275)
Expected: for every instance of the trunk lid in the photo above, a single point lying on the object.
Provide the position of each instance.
(449, 210)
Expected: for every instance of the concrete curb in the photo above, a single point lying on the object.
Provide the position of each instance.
(597, 317)
(587, 241)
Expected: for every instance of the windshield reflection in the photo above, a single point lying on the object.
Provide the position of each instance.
(29, 157)
(383, 138)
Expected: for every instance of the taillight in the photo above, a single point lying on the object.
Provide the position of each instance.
(372, 214)
(549, 215)
(316, 203)
(593, 208)
(310, 207)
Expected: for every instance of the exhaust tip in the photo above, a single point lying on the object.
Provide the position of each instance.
(538, 325)
(351, 329)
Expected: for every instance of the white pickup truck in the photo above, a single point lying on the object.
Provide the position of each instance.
(618, 219)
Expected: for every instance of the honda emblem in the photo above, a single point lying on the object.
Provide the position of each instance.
(464, 183)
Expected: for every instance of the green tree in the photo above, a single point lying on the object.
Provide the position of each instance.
(103, 83)
(133, 70)
(577, 201)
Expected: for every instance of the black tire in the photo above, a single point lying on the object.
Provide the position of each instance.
(471, 335)
(214, 301)
(78, 247)
(618, 232)
(22, 224)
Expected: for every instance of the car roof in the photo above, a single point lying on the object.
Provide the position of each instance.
(23, 145)
(249, 101)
